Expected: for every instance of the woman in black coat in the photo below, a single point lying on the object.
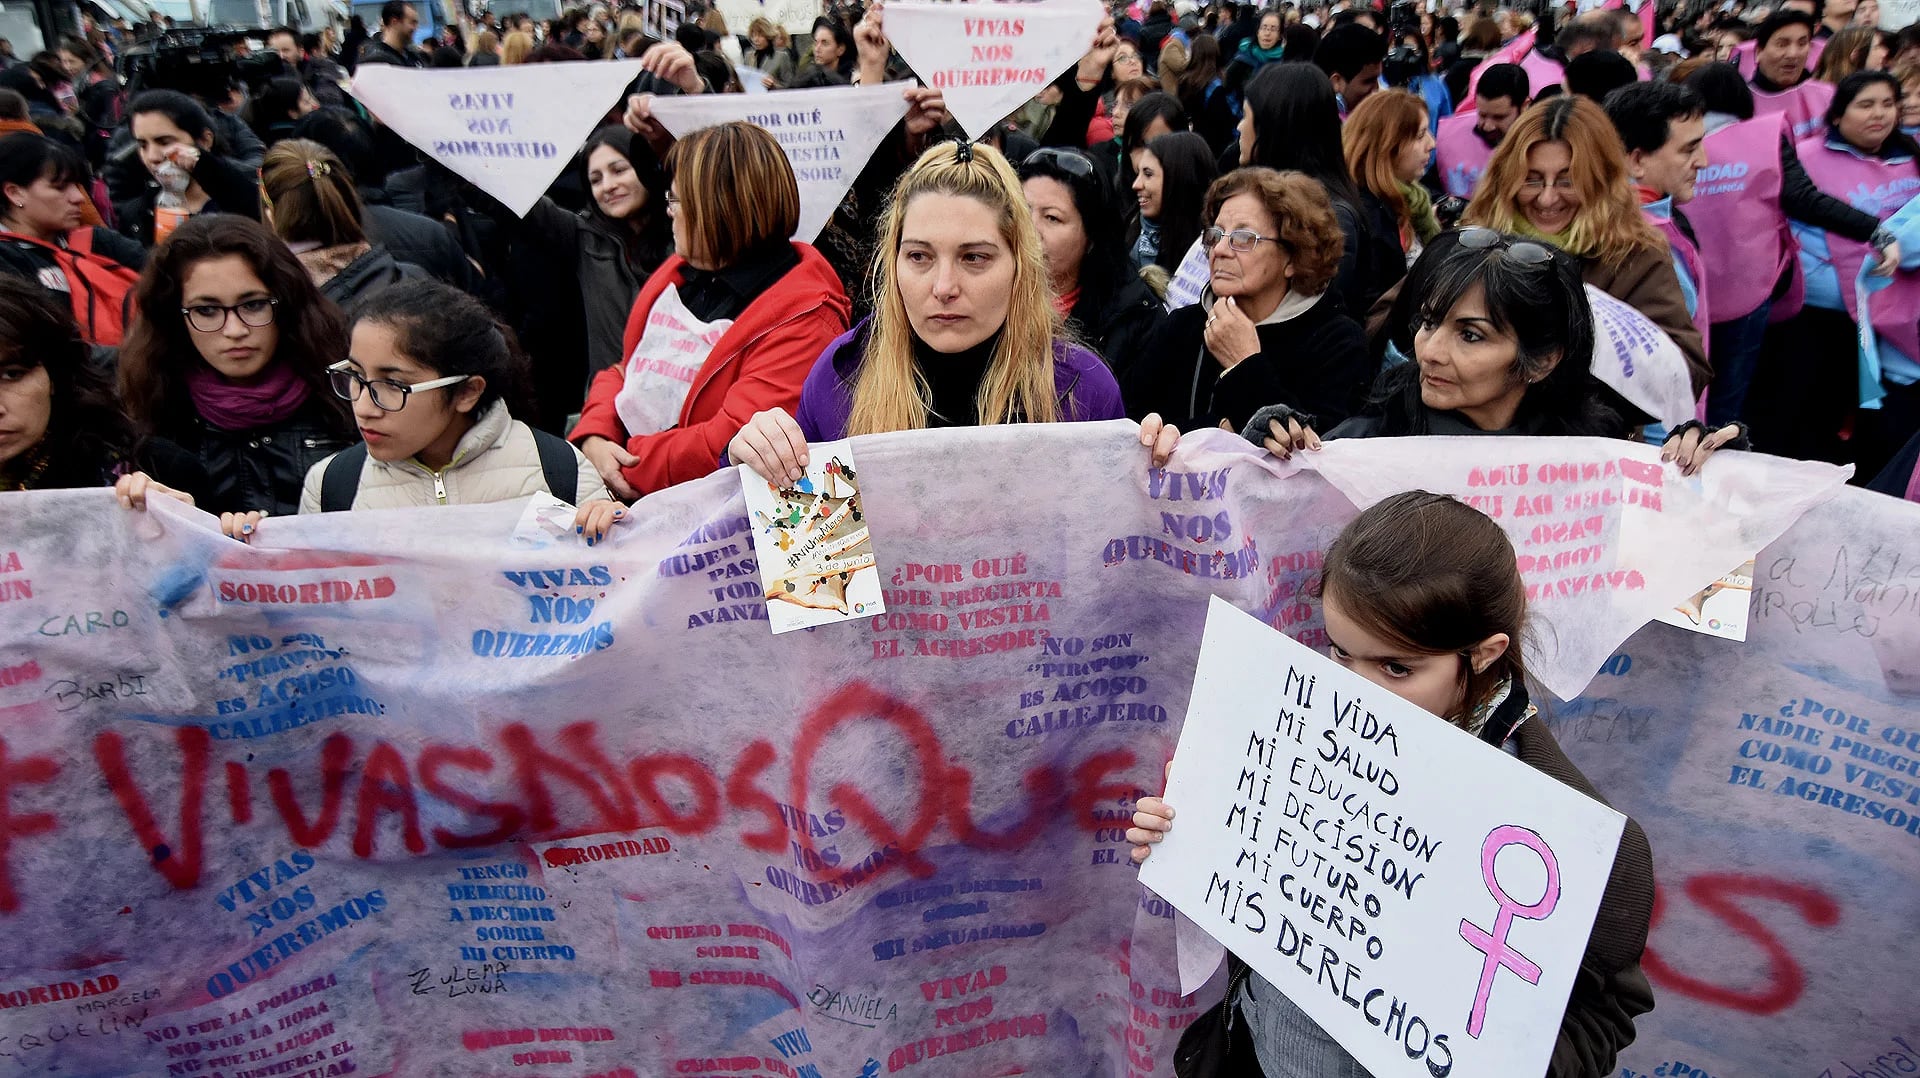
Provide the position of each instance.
(1269, 328)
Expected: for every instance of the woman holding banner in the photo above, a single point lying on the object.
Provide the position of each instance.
(61, 424)
(1422, 597)
(963, 332)
(1502, 340)
(725, 328)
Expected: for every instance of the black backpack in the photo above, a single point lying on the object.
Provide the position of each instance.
(341, 481)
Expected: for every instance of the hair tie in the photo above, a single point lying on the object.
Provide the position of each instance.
(318, 168)
(963, 151)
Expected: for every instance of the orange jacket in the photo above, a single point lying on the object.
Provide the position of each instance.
(759, 363)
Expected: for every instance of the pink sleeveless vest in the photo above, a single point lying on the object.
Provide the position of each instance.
(1697, 269)
(1743, 56)
(1461, 156)
(1736, 213)
(1878, 188)
(1805, 106)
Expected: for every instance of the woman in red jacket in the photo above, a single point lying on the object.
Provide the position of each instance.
(727, 327)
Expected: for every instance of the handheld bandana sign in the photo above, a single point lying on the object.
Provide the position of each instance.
(1637, 359)
(828, 133)
(988, 59)
(1324, 836)
(507, 130)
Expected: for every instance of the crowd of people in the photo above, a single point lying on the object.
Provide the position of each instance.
(260, 300)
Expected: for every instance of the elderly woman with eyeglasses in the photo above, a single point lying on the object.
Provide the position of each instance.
(1268, 329)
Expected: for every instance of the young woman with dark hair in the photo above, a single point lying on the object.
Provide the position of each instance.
(434, 383)
(278, 107)
(1170, 182)
(185, 164)
(1083, 240)
(311, 203)
(1422, 597)
(224, 372)
(1292, 123)
(60, 423)
(1153, 115)
(43, 203)
(1204, 95)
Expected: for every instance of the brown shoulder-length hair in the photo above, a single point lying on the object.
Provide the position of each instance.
(1303, 220)
(1434, 576)
(309, 195)
(736, 191)
(158, 350)
(1608, 226)
(1375, 133)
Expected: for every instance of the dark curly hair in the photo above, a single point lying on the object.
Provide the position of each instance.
(88, 436)
(158, 350)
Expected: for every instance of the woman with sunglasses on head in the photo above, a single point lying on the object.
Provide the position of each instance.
(433, 381)
(963, 331)
(726, 328)
(1269, 328)
(1501, 339)
(1081, 237)
(224, 371)
(1560, 175)
(1422, 596)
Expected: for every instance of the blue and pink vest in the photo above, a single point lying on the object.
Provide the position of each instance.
(1736, 214)
(1460, 154)
(1878, 187)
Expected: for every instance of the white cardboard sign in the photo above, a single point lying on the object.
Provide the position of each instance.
(988, 59)
(1374, 862)
(828, 134)
(509, 130)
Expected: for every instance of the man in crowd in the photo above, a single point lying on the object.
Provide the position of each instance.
(1466, 140)
(1351, 56)
(1664, 127)
(1781, 81)
(398, 21)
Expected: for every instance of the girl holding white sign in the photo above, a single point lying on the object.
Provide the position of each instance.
(1423, 597)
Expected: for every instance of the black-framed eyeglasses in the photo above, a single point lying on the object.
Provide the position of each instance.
(388, 395)
(1072, 163)
(1525, 252)
(1240, 239)
(212, 317)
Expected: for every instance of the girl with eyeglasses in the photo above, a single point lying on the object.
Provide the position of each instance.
(224, 370)
(1422, 597)
(963, 331)
(1268, 329)
(1501, 336)
(433, 381)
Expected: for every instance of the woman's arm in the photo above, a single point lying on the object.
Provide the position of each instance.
(1803, 201)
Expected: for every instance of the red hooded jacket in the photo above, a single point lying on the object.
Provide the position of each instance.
(759, 363)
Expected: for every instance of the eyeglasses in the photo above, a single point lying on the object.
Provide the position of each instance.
(388, 395)
(1536, 184)
(1067, 161)
(1525, 252)
(1240, 239)
(212, 317)
(673, 201)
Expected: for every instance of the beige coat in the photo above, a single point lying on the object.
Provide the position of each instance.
(496, 461)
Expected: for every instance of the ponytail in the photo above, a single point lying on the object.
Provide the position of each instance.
(310, 195)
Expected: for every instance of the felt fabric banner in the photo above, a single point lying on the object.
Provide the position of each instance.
(987, 59)
(429, 792)
(508, 130)
(828, 134)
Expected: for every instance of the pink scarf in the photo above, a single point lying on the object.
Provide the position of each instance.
(271, 397)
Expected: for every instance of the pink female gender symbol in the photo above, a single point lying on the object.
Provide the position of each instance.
(1494, 944)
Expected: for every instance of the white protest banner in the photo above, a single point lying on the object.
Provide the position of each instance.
(828, 133)
(988, 59)
(1325, 835)
(1639, 361)
(509, 130)
(1196, 272)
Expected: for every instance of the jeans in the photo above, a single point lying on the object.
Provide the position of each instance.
(1735, 349)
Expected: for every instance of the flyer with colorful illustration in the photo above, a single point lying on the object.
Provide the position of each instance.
(1719, 609)
(817, 564)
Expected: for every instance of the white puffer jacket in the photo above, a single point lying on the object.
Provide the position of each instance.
(496, 461)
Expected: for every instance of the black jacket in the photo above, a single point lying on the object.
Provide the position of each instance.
(29, 260)
(1117, 325)
(238, 471)
(1372, 260)
(1315, 361)
(229, 188)
(421, 241)
(377, 51)
(372, 271)
(1802, 200)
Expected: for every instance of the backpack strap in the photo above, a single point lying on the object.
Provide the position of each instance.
(340, 483)
(80, 240)
(558, 464)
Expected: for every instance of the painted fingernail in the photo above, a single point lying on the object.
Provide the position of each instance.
(246, 529)
(589, 540)
(579, 529)
(619, 512)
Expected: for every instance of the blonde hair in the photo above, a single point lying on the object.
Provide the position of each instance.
(485, 41)
(1173, 64)
(1846, 53)
(1375, 133)
(763, 26)
(736, 189)
(890, 392)
(518, 47)
(714, 22)
(1608, 225)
